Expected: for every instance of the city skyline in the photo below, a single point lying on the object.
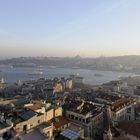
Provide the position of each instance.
(66, 28)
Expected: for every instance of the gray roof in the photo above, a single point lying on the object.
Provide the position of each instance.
(33, 135)
(72, 135)
(28, 115)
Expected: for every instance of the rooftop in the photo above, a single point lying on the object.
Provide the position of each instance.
(86, 108)
(3, 125)
(121, 138)
(59, 122)
(117, 102)
(72, 135)
(82, 107)
(27, 115)
(131, 127)
(74, 127)
(45, 125)
(33, 135)
(108, 97)
(34, 107)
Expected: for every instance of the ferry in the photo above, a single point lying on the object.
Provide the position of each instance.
(6, 66)
(36, 72)
(51, 67)
(98, 75)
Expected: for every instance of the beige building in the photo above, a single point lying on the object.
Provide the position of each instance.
(69, 84)
(58, 87)
(27, 121)
(46, 129)
(30, 119)
(42, 132)
(36, 108)
(54, 112)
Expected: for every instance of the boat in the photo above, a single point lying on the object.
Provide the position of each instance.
(75, 67)
(36, 72)
(6, 66)
(98, 75)
(51, 67)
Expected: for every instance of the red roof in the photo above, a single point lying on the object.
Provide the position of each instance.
(59, 122)
(34, 107)
(131, 127)
(121, 138)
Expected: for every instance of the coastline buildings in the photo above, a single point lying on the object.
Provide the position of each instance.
(77, 112)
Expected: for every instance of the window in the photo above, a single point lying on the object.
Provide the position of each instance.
(80, 119)
(76, 118)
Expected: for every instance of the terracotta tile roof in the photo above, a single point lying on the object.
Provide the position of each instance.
(119, 104)
(131, 127)
(121, 138)
(108, 97)
(87, 108)
(34, 107)
(82, 107)
(59, 122)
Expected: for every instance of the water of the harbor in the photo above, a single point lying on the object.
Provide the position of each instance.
(12, 75)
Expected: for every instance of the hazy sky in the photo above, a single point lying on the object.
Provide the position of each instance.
(69, 27)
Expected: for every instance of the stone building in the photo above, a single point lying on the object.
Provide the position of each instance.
(88, 115)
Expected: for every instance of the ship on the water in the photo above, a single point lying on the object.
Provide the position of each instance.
(6, 66)
(36, 72)
(98, 75)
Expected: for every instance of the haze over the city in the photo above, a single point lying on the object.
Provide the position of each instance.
(90, 28)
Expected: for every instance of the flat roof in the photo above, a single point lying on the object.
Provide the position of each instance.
(72, 135)
(33, 135)
(3, 125)
(27, 114)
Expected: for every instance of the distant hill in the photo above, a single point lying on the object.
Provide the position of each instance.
(119, 63)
